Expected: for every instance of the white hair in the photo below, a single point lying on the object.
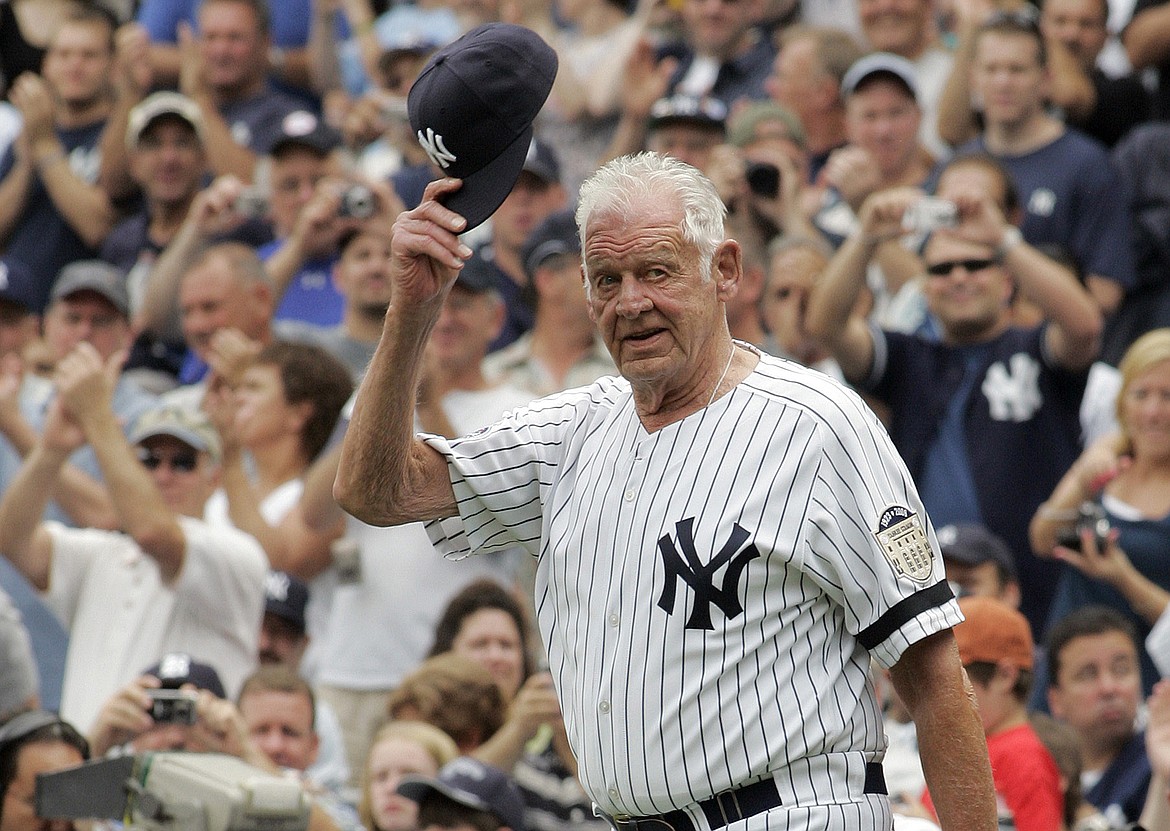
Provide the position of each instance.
(619, 185)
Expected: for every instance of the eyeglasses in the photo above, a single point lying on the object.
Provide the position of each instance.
(945, 268)
(180, 462)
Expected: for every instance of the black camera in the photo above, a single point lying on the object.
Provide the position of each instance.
(358, 202)
(251, 203)
(763, 179)
(1090, 517)
(173, 706)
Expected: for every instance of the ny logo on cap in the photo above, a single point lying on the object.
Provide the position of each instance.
(432, 142)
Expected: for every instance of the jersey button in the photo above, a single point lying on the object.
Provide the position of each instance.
(630, 495)
(614, 620)
(613, 792)
(603, 706)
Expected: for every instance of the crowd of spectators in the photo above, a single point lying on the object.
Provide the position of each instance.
(959, 207)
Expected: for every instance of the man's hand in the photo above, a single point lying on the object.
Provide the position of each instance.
(192, 80)
(132, 70)
(124, 716)
(85, 384)
(425, 252)
(853, 172)
(221, 405)
(881, 214)
(213, 210)
(319, 225)
(535, 704)
(30, 94)
(646, 79)
(231, 353)
(980, 219)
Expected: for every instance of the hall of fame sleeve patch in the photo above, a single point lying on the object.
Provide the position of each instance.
(902, 537)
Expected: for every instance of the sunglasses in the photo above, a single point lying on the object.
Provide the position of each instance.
(945, 268)
(180, 462)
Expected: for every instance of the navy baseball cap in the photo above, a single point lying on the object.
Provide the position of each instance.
(16, 285)
(541, 161)
(477, 276)
(286, 597)
(688, 109)
(472, 109)
(474, 784)
(302, 128)
(178, 668)
(557, 234)
(971, 544)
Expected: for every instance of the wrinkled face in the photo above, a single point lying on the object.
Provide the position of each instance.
(898, 26)
(281, 724)
(1098, 688)
(1079, 24)
(971, 299)
(883, 118)
(716, 27)
(685, 141)
(264, 414)
(78, 62)
(1145, 412)
(184, 476)
(1008, 77)
(468, 323)
(294, 175)
(363, 273)
(169, 161)
(529, 202)
(654, 303)
(390, 760)
(490, 638)
(85, 316)
(234, 51)
(19, 809)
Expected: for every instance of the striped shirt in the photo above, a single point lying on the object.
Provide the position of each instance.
(711, 594)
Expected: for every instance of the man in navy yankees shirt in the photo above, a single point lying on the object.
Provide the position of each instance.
(723, 540)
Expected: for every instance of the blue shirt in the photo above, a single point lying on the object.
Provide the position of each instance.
(311, 296)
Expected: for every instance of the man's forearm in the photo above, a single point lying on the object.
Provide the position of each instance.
(13, 196)
(22, 507)
(87, 208)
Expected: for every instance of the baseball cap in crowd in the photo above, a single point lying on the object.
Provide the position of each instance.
(993, 632)
(302, 128)
(688, 109)
(472, 109)
(97, 276)
(477, 276)
(191, 427)
(474, 784)
(160, 104)
(745, 125)
(880, 63)
(408, 28)
(557, 234)
(16, 285)
(971, 544)
(175, 669)
(541, 161)
(286, 597)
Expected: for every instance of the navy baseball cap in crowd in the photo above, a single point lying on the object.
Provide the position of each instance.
(97, 276)
(688, 109)
(16, 285)
(178, 668)
(541, 161)
(302, 128)
(557, 234)
(880, 64)
(286, 597)
(474, 784)
(477, 276)
(472, 109)
(971, 544)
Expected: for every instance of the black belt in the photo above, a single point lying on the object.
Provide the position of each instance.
(732, 806)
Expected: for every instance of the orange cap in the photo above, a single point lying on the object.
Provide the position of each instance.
(993, 632)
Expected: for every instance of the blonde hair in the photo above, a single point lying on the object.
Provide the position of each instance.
(1146, 352)
(434, 742)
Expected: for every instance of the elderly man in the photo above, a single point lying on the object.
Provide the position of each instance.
(621, 489)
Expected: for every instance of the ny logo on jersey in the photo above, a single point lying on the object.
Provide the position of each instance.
(1013, 392)
(701, 577)
(436, 149)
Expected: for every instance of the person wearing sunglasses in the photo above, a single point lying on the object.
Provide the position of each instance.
(988, 409)
(166, 580)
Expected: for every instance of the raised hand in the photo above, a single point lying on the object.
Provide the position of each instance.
(425, 252)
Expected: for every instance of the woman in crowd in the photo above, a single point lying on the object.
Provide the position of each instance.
(1114, 502)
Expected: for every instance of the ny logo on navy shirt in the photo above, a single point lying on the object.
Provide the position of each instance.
(700, 577)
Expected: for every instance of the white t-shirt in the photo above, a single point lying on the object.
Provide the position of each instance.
(122, 618)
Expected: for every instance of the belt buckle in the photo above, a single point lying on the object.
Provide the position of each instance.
(727, 818)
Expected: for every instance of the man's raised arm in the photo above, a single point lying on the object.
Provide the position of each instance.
(386, 476)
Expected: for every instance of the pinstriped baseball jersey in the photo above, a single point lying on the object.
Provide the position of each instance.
(711, 594)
